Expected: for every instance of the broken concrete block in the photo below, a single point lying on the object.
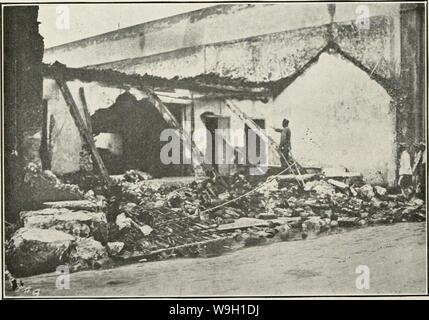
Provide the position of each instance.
(72, 205)
(366, 192)
(315, 224)
(114, 248)
(320, 187)
(380, 191)
(79, 223)
(86, 253)
(127, 231)
(416, 202)
(146, 230)
(90, 195)
(33, 251)
(122, 221)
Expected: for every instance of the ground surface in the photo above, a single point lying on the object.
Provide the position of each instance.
(395, 254)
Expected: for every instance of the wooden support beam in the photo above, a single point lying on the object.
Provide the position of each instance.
(81, 125)
(85, 109)
(271, 143)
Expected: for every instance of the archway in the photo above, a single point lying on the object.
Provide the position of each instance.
(339, 116)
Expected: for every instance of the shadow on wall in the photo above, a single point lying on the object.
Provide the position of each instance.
(127, 136)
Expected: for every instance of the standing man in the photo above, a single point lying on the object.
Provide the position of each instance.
(405, 172)
(419, 170)
(285, 145)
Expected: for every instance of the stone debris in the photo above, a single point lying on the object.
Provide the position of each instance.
(73, 204)
(114, 248)
(366, 192)
(139, 219)
(86, 253)
(44, 186)
(32, 251)
(78, 223)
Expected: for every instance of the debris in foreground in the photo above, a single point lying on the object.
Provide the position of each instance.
(132, 220)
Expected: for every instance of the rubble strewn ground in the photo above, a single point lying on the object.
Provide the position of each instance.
(132, 220)
(323, 265)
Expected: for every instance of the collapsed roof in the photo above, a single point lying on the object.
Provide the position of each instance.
(211, 84)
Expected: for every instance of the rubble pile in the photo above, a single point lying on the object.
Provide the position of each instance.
(43, 185)
(248, 209)
(50, 237)
(132, 220)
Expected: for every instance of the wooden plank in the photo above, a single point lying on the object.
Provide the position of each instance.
(243, 223)
(85, 109)
(340, 185)
(81, 125)
(291, 177)
(271, 143)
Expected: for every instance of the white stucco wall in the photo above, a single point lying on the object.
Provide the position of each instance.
(216, 24)
(339, 117)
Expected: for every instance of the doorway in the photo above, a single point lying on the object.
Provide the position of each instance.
(255, 147)
(218, 132)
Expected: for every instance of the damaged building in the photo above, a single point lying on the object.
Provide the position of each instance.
(280, 68)
(85, 135)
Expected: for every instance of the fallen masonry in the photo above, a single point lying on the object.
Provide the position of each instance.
(133, 220)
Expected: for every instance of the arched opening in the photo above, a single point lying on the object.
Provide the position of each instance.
(340, 117)
(127, 136)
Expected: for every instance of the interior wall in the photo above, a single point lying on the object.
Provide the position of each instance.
(66, 141)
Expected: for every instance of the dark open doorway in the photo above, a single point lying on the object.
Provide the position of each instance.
(256, 146)
(217, 132)
(132, 128)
